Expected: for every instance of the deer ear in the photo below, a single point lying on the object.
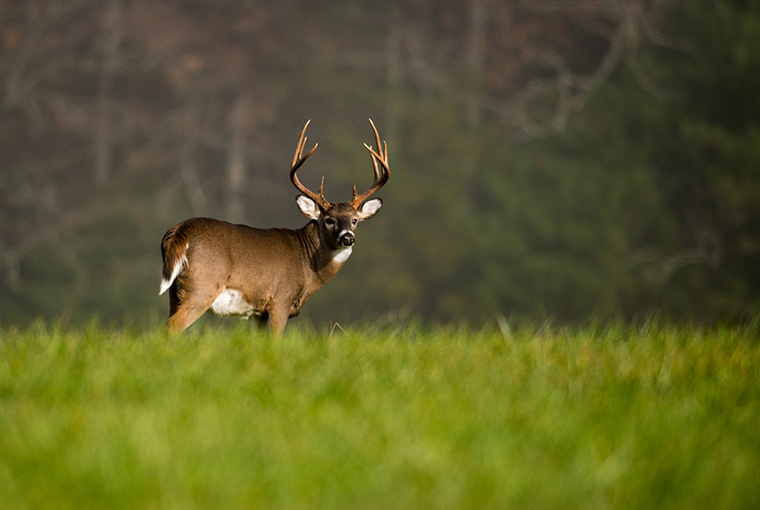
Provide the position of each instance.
(308, 207)
(369, 209)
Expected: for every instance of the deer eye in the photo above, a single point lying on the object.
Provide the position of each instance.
(353, 221)
(329, 222)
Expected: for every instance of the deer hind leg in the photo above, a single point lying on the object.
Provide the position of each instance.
(261, 321)
(187, 310)
(173, 299)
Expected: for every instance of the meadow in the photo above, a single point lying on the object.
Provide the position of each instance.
(599, 416)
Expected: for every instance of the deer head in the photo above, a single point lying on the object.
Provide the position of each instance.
(338, 221)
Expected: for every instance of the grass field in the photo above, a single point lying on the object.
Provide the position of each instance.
(596, 417)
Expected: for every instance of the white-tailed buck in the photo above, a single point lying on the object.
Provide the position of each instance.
(236, 270)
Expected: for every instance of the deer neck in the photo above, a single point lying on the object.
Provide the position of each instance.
(324, 261)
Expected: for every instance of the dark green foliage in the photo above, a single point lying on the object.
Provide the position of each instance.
(647, 200)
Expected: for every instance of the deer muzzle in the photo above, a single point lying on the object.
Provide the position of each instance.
(346, 239)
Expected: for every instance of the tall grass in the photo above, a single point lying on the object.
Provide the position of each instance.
(597, 417)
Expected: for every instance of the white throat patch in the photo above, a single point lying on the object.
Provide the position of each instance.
(341, 255)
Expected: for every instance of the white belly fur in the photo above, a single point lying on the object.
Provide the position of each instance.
(231, 302)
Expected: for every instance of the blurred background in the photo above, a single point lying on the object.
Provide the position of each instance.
(560, 159)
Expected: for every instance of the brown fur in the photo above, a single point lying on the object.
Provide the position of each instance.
(276, 270)
(173, 247)
(273, 271)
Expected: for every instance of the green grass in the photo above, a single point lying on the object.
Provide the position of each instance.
(597, 417)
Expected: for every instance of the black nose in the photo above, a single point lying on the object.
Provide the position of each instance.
(346, 239)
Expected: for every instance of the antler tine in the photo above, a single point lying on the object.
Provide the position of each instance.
(383, 153)
(374, 164)
(380, 177)
(377, 137)
(298, 160)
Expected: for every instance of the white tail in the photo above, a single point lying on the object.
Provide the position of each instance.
(166, 282)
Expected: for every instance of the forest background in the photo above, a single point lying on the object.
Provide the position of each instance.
(548, 159)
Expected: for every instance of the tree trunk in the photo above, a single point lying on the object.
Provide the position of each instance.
(187, 160)
(112, 33)
(476, 61)
(395, 77)
(236, 160)
(478, 18)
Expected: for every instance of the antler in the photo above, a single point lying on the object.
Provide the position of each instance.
(380, 177)
(298, 160)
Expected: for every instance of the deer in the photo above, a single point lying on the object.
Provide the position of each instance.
(228, 270)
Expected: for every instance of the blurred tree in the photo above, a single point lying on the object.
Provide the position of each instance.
(481, 225)
(705, 262)
(548, 157)
(112, 29)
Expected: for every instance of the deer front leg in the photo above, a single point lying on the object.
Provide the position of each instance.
(278, 318)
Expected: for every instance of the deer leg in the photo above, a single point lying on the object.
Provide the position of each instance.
(278, 318)
(261, 321)
(189, 310)
(173, 299)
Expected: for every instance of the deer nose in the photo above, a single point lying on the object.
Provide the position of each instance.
(346, 239)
